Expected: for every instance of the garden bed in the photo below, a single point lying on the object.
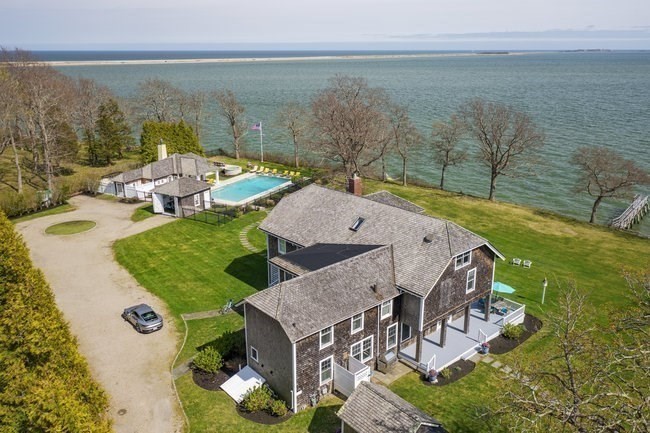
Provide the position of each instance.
(501, 344)
(458, 369)
(209, 381)
(263, 417)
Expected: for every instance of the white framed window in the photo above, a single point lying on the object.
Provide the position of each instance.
(471, 280)
(325, 369)
(357, 323)
(326, 337)
(197, 200)
(391, 336)
(464, 259)
(386, 309)
(254, 354)
(406, 332)
(274, 275)
(282, 246)
(362, 351)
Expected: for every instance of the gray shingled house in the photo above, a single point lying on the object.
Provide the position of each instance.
(140, 181)
(181, 197)
(356, 282)
(375, 409)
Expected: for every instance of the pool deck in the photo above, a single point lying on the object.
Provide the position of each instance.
(247, 199)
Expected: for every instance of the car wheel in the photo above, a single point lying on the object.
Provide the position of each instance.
(137, 328)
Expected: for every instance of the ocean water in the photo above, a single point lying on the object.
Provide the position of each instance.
(577, 99)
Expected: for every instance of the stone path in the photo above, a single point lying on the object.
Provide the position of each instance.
(243, 238)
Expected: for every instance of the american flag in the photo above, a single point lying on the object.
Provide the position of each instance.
(257, 126)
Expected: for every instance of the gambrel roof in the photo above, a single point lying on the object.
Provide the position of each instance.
(423, 246)
(329, 295)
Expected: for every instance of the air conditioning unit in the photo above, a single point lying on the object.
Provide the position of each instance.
(323, 390)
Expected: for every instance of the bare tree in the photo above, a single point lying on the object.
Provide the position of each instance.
(507, 139)
(158, 100)
(351, 122)
(90, 97)
(605, 173)
(233, 113)
(294, 119)
(446, 152)
(404, 135)
(9, 106)
(587, 382)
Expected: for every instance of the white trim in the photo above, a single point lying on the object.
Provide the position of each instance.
(320, 370)
(354, 331)
(421, 315)
(257, 354)
(473, 272)
(294, 387)
(390, 310)
(245, 333)
(394, 326)
(464, 263)
(320, 337)
(360, 343)
(282, 251)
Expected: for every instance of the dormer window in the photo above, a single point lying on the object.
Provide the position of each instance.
(463, 260)
(357, 224)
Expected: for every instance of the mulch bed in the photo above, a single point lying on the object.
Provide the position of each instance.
(501, 344)
(458, 369)
(262, 417)
(209, 381)
(232, 366)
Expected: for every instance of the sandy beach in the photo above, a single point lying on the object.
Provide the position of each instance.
(279, 59)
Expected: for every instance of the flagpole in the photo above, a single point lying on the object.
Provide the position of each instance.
(261, 145)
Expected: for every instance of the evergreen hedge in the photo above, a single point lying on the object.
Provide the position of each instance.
(179, 138)
(45, 384)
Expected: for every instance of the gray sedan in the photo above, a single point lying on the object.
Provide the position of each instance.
(143, 318)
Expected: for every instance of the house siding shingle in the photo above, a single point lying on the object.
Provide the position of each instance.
(448, 295)
(308, 354)
(274, 350)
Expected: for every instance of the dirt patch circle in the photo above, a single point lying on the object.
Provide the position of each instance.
(209, 381)
(70, 227)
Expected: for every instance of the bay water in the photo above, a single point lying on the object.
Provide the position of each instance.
(577, 99)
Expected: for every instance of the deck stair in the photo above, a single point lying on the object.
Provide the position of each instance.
(633, 214)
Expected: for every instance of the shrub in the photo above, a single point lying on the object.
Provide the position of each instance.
(445, 374)
(231, 344)
(512, 331)
(278, 408)
(208, 360)
(257, 399)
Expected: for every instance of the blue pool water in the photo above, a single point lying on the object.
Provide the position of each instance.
(248, 188)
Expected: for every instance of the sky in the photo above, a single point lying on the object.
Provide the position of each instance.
(330, 24)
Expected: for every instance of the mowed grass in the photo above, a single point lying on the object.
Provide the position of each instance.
(197, 267)
(70, 227)
(142, 213)
(194, 266)
(205, 331)
(47, 212)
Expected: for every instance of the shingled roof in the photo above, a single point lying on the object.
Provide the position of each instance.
(318, 215)
(391, 199)
(321, 298)
(187, 164)
(182, 187)
(372, 408)
(318, 256)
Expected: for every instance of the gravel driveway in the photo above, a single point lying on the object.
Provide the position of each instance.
(92, 290)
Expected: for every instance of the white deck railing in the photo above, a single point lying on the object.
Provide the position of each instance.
(347, 379)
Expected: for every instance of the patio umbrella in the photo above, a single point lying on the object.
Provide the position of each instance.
(502, 288)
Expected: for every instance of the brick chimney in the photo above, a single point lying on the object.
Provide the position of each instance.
(162, 150)
(354, 185)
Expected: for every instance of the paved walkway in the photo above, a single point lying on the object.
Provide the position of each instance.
(91, 290)
(243, 238)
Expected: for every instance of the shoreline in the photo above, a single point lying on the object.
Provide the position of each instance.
(281, 59)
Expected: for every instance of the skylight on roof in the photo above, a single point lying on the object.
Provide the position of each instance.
(357, 224)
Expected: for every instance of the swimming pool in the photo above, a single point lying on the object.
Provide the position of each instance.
(247, 189)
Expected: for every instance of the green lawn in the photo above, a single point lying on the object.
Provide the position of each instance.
(51, 211)
(142, 213)
(70, 227)
(197, 267)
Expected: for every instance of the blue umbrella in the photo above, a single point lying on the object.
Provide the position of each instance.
(502, 288)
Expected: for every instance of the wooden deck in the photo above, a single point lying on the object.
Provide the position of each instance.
(633, 214)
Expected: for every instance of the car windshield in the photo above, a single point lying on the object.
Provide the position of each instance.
(149, 316)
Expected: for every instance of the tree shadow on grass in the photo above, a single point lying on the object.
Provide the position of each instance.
(231, 344)
(250, 269)
(325, 419)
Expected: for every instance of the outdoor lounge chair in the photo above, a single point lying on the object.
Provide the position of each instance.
(516, 261)
(275, 171)
(261, 169)
(285, 173)
(297, 174)
(266, 170)
(292, 173)
(527, 263)
(254, 169)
